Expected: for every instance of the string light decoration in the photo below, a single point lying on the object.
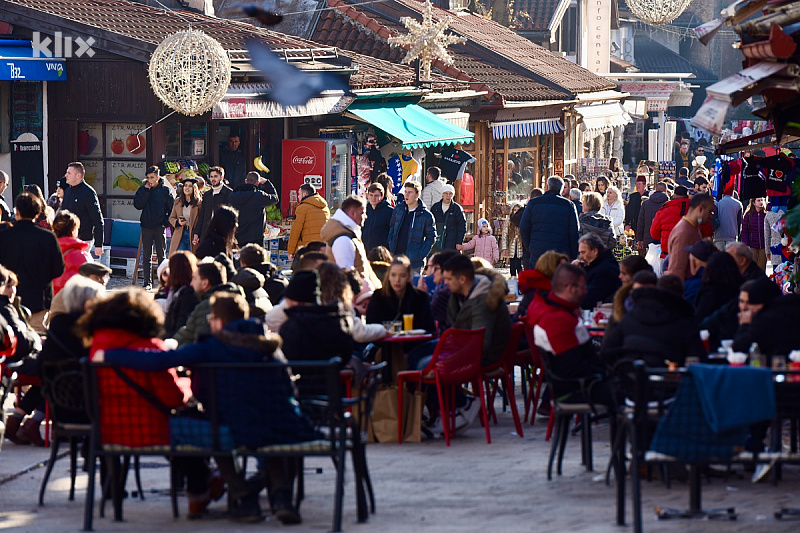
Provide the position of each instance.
(190, 72)
(657, 12)
(427, 40)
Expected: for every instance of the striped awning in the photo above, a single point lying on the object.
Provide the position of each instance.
(525, 128)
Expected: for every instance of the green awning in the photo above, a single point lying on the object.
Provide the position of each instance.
(413, 125)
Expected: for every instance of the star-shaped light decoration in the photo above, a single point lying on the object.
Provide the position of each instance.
(427, 40)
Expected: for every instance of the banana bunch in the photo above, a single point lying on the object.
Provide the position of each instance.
(259, 164)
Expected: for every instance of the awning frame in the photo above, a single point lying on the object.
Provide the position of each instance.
(525, 128)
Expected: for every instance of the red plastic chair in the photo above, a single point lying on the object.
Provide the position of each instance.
(504, 370)
(537, 365)
(456, 360)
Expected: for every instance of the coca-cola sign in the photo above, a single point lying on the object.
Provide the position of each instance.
(303, 160)
(237, 108)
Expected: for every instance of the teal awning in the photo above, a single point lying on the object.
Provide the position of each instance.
(413, 125)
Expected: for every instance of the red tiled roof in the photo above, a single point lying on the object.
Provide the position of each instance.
(151, 25)
(533, 15)
(335, 28)
(505, 43)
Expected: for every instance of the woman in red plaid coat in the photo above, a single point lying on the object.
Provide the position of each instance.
(130, 319)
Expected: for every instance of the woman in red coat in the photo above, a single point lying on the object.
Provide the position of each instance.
(74, 250)
(130, 319)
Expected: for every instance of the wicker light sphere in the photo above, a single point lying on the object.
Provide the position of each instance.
(190, 72)
(657, 12)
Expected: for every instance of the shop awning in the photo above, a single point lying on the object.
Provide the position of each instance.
(525, 128)
(414, 126)
(17, 63)
(245, 100)
(455, 117)
(656, 94)
(602, 118)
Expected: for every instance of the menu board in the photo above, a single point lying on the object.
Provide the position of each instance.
(90, 139)
(94, 175)
(124, 177)
(124, 141)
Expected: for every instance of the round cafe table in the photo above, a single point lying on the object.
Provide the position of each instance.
(391, 351)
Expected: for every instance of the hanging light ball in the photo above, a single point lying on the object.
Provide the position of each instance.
(190, 72)
(657, 12)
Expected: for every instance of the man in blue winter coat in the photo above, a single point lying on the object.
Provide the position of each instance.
(379, 215)
(412, 231)
(550, 222)
(155, 200)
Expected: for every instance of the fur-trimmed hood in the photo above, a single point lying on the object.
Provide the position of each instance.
(251, 335)
(493, 285)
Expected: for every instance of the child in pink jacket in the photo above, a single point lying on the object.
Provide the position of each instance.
(484, 244)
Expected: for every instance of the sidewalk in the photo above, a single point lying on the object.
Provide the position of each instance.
(470, 486)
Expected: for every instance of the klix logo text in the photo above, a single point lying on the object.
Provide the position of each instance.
(60, 46)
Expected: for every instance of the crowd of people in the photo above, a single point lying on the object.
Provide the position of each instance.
(358, 271)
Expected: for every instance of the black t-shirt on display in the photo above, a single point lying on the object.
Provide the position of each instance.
(753, 184)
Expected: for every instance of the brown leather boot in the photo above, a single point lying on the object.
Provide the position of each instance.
(12, 430)
(30, 432)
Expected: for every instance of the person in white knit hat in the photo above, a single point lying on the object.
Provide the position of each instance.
(451, 225)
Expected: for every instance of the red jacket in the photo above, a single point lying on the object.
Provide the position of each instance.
(669, 215)
(127, 418)
(76, 253)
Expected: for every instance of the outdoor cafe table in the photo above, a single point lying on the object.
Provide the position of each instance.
(393, 344)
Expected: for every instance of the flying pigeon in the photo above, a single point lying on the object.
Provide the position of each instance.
(290, 85)
(268, 17)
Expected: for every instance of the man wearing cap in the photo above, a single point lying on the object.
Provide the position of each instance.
(729, 210)
(699, 254)
(342, 233)
(155, 200)
(82, 200)
(94, 271)
(635, 203)
(687, 232)
(251, 199)
(451, 225)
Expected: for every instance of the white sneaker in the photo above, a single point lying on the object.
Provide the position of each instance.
(467, 414)
(762, 471)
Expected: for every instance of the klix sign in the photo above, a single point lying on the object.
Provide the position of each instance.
(61, 46)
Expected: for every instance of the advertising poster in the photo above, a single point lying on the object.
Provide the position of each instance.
(94, 175)
(123, 141)
(90, 139)
(124, 177)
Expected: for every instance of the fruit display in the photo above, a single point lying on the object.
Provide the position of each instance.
(204, 169)
(127, 181)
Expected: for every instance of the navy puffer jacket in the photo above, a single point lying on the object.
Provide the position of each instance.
(550, 222)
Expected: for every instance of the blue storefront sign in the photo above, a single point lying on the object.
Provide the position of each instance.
(18, 64)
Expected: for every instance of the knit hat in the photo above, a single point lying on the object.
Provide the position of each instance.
(761, 290)
(702, 250)
(641, 178)
(162, 267)
(448, 188)
(482, 222)
(153, 170)
(304, 287)
(93, 269)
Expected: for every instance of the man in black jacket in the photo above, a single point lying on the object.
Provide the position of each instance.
(550, 222)
(379, 215)
(155, 200)
(251, 199)
(232, 160)
(255, 256)
(33, 253)
(82, 200)
(212, 199)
